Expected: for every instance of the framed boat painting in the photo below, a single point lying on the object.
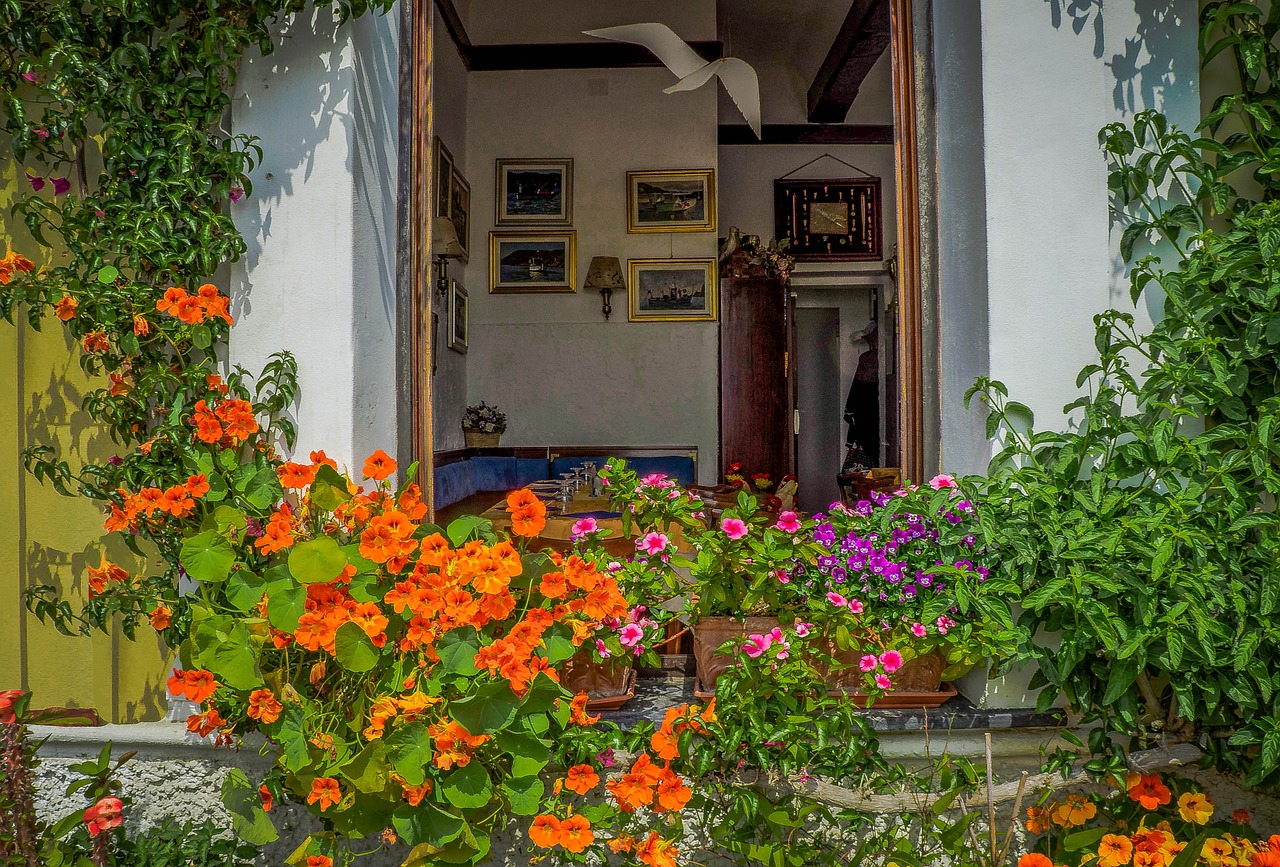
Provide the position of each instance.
(532, 262)
(534, 192)
(671, 201)
(671, 290)
(459, 321)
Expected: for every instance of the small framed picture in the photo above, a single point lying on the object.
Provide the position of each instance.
(457, 317)
(521, 262)
(671, 201)
(534, 192)
(460, 212)
(443, 179)
(671, 290)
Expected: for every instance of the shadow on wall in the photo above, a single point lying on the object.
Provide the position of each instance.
(1154, 58)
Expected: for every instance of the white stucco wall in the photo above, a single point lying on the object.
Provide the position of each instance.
(319, 276)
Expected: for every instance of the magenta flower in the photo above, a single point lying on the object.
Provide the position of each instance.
(803, 629)
(941, 481)
(856, 606)
(237, 193)
(734, 528)
(868, 662)
(657, 480)
(782, 576)
(37, 183)
(605, 759)
(652, 543)
(919, 630)
(42, 133)
(891, 660)
(33, 77)
(788, 522)
(583, 527)
(756, 645)
(602, 650)
(631, 635)
(60, 186)
(837, 600)
(883, 682)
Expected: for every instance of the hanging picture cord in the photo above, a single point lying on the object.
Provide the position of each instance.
(826, 156)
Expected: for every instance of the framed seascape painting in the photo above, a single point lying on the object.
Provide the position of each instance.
(443, 179)
(458, 321)
(460, 212)
(671, 290)
(532, 262)
(671, 201)
(534, 192)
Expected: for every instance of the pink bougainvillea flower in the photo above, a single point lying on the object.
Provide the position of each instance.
(37, 183)
(856, 606)
(941, 481)
(891, 660)
(237, 193)
(756, 645)
(631, 635)
(883, 682)
(788, 522)
(803, 629)
(868, 662)
(837, 600)
(734, 528)
(33, 77)
(918, 630)
(60, 186)
(584, 527)
(602, 650)
(652, 543)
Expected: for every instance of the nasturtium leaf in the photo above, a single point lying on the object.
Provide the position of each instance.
(410, 750)
(226, 517)
(426, 824)
(292, 737)
(108, 274)
(369, 770)
(490, 708)
(525, 794)
(207, 556)
(1083, 839)
(529, 753)
(202, 336)
(329, 489)
(543, 691)
(316, 560)
(467, 787)
(468, 527)
(233, 661)
(262, 489)
(244, 803)
(354, 649)
(457, 650)
(286, 603)
(557, 644)
(364, 588)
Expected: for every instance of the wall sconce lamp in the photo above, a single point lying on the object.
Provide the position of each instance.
(605, 273)
(444, 246)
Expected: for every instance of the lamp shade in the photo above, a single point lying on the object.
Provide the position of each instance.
(444, 238)
(604, 272)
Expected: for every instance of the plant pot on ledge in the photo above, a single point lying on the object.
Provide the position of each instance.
(479, 440)
(711, 632)
(917, 684)
(608, 683)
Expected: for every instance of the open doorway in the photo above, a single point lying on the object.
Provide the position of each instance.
(491, 93)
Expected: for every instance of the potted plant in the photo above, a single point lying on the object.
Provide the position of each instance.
(483, 426)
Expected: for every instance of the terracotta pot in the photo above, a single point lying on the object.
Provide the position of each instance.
(711, 632)
(922, 674)
(598, 678)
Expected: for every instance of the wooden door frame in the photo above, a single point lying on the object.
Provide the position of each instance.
(912, 83)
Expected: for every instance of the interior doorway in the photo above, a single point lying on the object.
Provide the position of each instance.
(819, 447)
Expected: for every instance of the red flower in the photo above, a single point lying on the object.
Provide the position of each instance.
(8, 699)
(104, 815)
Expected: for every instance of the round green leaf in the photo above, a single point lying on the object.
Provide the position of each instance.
(317, 560)
(354, 649)
(467, 787)
(108, 274)
(492, 707)
(207, 557)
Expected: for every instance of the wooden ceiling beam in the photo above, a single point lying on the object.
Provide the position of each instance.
(808, 134)
(863, 37)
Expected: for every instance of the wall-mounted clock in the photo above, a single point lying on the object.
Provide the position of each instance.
(829, 220)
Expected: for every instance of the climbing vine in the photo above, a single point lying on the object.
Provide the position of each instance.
(117, 114)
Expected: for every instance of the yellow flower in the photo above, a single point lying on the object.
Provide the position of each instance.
(1114, 850)
(1216, 852)
(1076, 810)
(1195, 807)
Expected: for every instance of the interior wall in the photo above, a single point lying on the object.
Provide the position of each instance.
(564, 375)
(449, 94)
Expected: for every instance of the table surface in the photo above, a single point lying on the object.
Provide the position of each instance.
(559, 529)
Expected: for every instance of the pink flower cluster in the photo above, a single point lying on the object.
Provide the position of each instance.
(758, 645)
(60, 185)
(854, 605)
(890, 661)
(630, 631)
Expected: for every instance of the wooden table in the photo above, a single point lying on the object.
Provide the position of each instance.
(557, 535)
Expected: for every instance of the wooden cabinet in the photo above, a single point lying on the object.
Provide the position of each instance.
(756, 397)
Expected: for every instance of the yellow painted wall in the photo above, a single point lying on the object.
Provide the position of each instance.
(46, 538)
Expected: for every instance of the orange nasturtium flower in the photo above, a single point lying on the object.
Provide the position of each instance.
(545, 831)
(1034, 859)
(578, 711)
(66, 308)
(198, 486)
(204, 724)
(1149, 791)
(296, 476)
(325, 792)
(264, 706)
(319, 861)
(141, 327)
(673, 794)
(195, 685)
(581, 779)
(379, 466)
(1195, 807)
(161, 616)
(268, 800)
(657, 852)
(103, 574)
(576, 834)
(1268, 858)
(1074, 811)
(1114, 850)
(95, 341)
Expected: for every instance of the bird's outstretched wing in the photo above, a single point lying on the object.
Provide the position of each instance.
(740, 80)
(669, 48)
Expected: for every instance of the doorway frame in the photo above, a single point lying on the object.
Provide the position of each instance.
(912, 100)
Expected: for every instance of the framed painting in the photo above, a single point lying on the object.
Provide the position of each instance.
(443, 192)
(458, 317)
(534, 192)
(460, 212)
(671, 290)
(671, 201)
(532, 262)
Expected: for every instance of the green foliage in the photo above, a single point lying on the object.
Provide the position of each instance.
(1145, 540)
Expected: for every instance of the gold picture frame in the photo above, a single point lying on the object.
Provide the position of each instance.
(533, 262)
(680, 200)
(533, 193)
(672, 290)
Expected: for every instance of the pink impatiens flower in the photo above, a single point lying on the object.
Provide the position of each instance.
(657, 480)
(734, 528)
(803, 629)
(602, 649)
(652, 543)
(788, 522)
(837, 600)
(918, 630)
(631, 635)
(941, 481)
(856, 606)
(891, 660)
(883, 682)
(868, 662)
(756, 645)
(584, 527)
(33, 77)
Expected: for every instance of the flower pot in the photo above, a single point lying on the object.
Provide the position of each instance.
(922, 674)
(479, 440)
(711, 632)
(608, 683)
